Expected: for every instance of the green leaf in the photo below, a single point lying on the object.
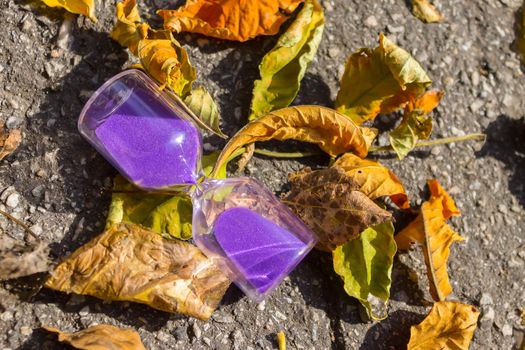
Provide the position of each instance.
(365, 264)
(379, 80)
(203, 105)
(283, 68)
(163, 214)
(416, 124)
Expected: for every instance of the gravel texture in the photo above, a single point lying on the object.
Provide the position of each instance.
(55, 180)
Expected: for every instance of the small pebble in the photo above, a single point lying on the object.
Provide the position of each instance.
(506, 330)
(25, 331)
(486, 299)
(12, 200)
(261, 305)
(371, 22)
(196, 330)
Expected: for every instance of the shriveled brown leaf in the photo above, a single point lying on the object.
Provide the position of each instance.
(331, 131)
(230, 19)
(426, 12)
(18, 259)
(101, 337)
(129, 263)
(9, 140)
(374, 179)
(331, 204)
(449, 326)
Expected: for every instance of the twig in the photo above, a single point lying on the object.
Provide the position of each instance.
(443, 141)
(265, 152)
(20, 223)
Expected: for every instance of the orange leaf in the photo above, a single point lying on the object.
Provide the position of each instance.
(238, 20)
(448, 326)
(373, 179)
(9, 140)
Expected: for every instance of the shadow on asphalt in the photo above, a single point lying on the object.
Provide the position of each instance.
(505, 142)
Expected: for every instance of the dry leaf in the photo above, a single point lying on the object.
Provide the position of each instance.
(101, 337)
(365, 265)
(230, 19)
(203, 105)
(426, 12)
(373, 179)
(416, 124)
(9, 140)
(129, 263)
(281, 340)
(414, 232)
(332, 131)
(379, 80)
(18, 259)
(161, 56)
(80, 7)
(330, 203)
(449, 326)
(430, 229)
(283, 68)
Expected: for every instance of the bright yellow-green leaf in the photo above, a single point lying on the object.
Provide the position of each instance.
(449, 326)
(202, 104)
(365, 265)
(416, 124)
(79, 7)
(379, 80)
(209, 160)
(283, 68)
(130, 263)
(164, 214)
(101, 337)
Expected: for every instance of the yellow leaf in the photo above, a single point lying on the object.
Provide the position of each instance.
(125, 31)
(101, 337)
(9, 140)
(379, 80)
(373, 179)
(438, 238)
(79, 7)
(230, 19)
(414, 232)
(281, 340)
(129, 263)
(416, 124)
(426, 12)
(161, 56)
(283, 68)
(449, 326)
(332, 131)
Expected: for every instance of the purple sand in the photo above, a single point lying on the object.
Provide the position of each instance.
(261, 250)
(154, 150)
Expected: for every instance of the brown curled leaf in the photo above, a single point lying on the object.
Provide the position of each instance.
(330, 203)
(101, 337)
(129, 263)
(330, 130)
(9, 140)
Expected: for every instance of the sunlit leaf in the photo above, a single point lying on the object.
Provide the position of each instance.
(101, 337)
(283, 68)
(379, 80)
(160, 55)
(449, 326)
(209, 160)
(164, 214)
(330, 203)
(18, 259)
(230, 19)
(203, 105)
(9, 140)
(129, 263)
(281, 340)
(431, 230)
(365, 265)
(416, 124)
(426, 12)
(79, 7)
(414, 232)
(373, 179)
(330, 130)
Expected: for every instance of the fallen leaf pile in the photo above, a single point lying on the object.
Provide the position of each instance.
(145, 254)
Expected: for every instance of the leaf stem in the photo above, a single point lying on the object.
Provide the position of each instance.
(20, 223)
(429, 143)
(268, 153)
